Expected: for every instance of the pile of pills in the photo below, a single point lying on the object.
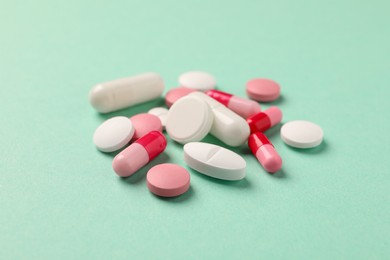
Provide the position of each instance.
(194, 110)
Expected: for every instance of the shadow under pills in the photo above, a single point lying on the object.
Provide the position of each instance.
(280, 101)
(242, 184)
(181, 198)
(323, 147)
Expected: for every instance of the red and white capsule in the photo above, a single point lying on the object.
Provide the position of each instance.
(263, 121)
(139, 153)
(265, 152)
(241, 106)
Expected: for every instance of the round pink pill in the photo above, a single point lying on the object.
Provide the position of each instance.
(145, 123)
(174, 94)
(168, 180)
(263, 90)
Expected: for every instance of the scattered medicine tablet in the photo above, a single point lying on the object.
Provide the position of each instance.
(241, 106)
(161, 113)
(113, 134)
(214, 161)
(168, 180)
(301, 134)
(265, 120)
(263, 90)
(198, 80)
(174, 94)
(139, 153)
(227, 126)
(265, 152)
(189, 120)
(121, 93)
(145, 123)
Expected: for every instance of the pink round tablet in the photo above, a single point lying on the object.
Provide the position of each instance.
(264, 90)
(168, 180)
(174, 94)
(145, 123)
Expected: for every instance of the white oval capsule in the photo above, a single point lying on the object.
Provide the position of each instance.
(121, 93)
(227, 126)
(214, 161)
(198, 80)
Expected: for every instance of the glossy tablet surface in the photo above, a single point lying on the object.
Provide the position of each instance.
(168, 180)
(264, 90)
(174, 94)
(113, 134)
(301, 134)
(161, 113)
(189, 119)
(198, 80)
(214, 161)
(145, 123)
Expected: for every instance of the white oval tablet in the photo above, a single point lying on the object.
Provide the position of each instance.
(160, 112)
(301, 134)
(189, 119)
(214, 161)
(197, 80)
(113, 134)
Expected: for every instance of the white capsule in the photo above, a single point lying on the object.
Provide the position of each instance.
(121, 93)
(197, 80)
(227, 126)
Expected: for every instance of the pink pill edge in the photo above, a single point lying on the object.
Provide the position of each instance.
(271, 93)
(164, 192)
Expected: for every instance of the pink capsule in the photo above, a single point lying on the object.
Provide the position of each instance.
(241, 106)
(265, 152)
(139, 153)
(263, 121)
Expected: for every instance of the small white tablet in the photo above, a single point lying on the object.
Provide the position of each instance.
(214, 161)
(189, 119)
(301, 134)
(160, 112)
(198, 80)
(113, 134)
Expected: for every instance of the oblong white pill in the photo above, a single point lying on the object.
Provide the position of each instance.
(197, 80)
(189, 119)
(113, 134)
(117, 94)
(228, 127)
(301, 134)
(214, 161)
(161, 113)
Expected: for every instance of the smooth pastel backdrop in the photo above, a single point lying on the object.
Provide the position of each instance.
(59, 198)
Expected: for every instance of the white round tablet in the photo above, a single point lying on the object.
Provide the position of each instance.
(301, 134)
(113, 134)
(197, 80)
(189, 119)
(160, 112)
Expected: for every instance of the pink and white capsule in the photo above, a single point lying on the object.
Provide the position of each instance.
(265, 152)
(241, 106)
(139, 153)
(263, 121)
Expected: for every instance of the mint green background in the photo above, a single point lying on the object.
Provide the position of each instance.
(59, 198)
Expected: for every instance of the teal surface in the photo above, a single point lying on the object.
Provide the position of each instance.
(59, 198)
